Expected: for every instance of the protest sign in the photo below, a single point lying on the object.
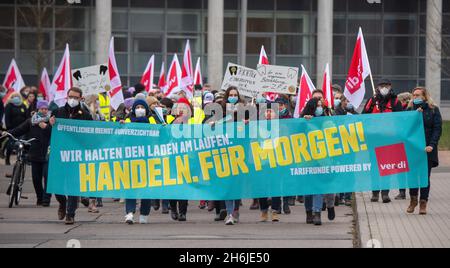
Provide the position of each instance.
(277, 79)
(245, 79)
(92, 80)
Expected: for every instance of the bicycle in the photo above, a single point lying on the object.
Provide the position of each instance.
(18, 176)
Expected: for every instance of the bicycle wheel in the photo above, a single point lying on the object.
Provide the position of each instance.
(14, 186)
(20, 183)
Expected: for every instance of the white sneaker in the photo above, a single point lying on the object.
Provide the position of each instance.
(230, 220)
(129, 218)
(143, 219)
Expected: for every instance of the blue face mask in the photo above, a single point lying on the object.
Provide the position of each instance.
(350, 106)
(284, 112)
(319, 111)
(165, 111)
(418, 101)
(337, 103)
(233, 100)
(17, 101)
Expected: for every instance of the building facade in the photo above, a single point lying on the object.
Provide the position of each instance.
(399, 35)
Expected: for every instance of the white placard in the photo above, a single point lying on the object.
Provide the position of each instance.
(245, 79)
(92, 80)
(277, 79)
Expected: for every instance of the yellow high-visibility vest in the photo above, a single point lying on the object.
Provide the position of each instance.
(199, 116)
(104, 106)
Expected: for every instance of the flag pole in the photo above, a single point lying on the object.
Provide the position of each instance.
(373, 84)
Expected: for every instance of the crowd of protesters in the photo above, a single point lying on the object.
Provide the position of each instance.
(26, 113)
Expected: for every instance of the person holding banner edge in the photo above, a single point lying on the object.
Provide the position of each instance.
(423, 103)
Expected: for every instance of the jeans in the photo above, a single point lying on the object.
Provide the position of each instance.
(39, 173)
(70, 203)
(314, 203)
(182, 206)
(165, 204)
(424, 192)
(232, 205)
(130, 206)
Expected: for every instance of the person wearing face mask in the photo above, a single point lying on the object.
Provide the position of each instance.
(384, 101)
(38, 127)
(140, 113)
(314, 203)
(343, 107)
(167, 105)
(25, 91)
(72, 110)
(423, 103)
(15, 115)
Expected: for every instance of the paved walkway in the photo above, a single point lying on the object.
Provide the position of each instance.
(392, 227)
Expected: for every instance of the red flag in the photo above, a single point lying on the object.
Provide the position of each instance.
(147, 77)
(327, 89)
(173, 78)
(264, 60)
(355, 88)
(115, 93)
(187, 72)
(13, 79)
(162, 83)
(44, 84)
(304, 93)
(62, 81)
(198, 80)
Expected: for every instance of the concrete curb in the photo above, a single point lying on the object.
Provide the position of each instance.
(364, 232)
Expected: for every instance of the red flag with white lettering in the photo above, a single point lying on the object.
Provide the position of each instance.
(198, 79)
(147, 76)
(62, 80)
(327, 89)
(45, 84)
(162, 83)
(187, 72)
(355, 88)
(304, 93)
(13, 79)
(115, 93)
(173, 78)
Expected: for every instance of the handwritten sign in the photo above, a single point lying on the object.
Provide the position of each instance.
(92, 80)
(277, 79)
(245, 79)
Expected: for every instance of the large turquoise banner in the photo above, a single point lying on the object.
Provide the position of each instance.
(237, 160)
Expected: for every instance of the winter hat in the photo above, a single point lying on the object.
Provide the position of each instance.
(42, 104)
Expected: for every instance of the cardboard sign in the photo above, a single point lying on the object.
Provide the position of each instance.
(277, 79)
(245, 79)
(92, 80)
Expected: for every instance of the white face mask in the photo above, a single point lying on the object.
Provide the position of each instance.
(73, 103)
(384, 91)
(140, 112)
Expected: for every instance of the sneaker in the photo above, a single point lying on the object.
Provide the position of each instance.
(223, 214)
(129, 218)
(229, 220)
(61, 213)
(309, 217)
(70, 220)
(92, 208)
(211, 206)
(217, 217)
(317, 219)
(174, 215)
(236, 216)
(264, 216)
(182, 217)
(331, 214)
(121, 201)
(286, 209)
(275, 217)
(386, 199)
(143, 219)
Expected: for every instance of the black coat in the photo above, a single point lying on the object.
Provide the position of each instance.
(432, 121)
(76, 113)
(15, 115)
(39, 148)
